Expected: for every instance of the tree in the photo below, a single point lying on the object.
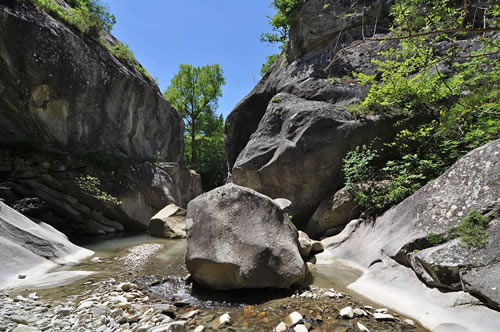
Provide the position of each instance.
(194, 92)
(280, 22)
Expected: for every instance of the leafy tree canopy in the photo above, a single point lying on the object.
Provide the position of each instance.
(194, 92)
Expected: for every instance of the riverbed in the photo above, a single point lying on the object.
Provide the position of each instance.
(156, 269)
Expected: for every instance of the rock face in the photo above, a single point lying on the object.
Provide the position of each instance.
(288, 137)
(29, 249)
(403, 232)
(58, 189)
(332, 214)
(169, 223)
(238, 238)
(62, 91)
(298, 148)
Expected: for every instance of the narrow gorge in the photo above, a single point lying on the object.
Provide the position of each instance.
(362, 189)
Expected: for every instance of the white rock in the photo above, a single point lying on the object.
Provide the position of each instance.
(190, 314)
(224, 320)
(382, 311)
(85, 305)
(382, 316)
(362, 328)
(409, 322)
(300, 328)
(281, 327)
(360, 312)
(293, 319)
(177, 326)
(24, 328)
(199, 328)
(347, 312)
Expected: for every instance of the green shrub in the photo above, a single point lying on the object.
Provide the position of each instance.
(435, 239)
(473, 230)
(270, 60)
(88, 16)
(90, 185)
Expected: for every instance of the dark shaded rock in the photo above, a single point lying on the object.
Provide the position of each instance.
(61, 90)
(53, 193)
(483, 282)
(297, 151)
(238, 238)
(332, 214)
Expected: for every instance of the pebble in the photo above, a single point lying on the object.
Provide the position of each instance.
(165, 308)
(381, 311)
(347, 312)
(281, 327)
(190, 314)
(409, 322)
(362, 328)
(224, 320)
(300, 328)
(382, 316)
(360, 312)
(199, 328)
(293, 319)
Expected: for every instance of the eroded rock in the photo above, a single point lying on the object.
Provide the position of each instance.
(238, 238)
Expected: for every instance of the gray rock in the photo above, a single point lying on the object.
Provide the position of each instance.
(333, 212)
(26, 246)
(178, 326)
(170, 223)
(401, 233)
(76, 96)
(483, 283)
(298, 147)
(238, 238)
(305, 244)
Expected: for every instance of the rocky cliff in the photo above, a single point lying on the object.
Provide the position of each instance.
(67, 106)
(63, 91)
(287, 138)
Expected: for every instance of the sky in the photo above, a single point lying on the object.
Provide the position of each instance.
(166, 33)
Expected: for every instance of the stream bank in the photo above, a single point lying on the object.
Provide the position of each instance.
(141, 285)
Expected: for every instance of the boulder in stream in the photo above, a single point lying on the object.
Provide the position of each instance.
(169, 222)
(239, 238)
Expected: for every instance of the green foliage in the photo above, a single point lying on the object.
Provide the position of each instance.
(270, 60)
(463, 102)
(90, 185)
(435, 239)
(88, 16)
(123, 53)
(194, 92)
(280, 22)
(473, 230)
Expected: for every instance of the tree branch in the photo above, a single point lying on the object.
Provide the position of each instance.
(422, 34)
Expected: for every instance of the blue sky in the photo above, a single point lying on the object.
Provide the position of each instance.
(165, 33)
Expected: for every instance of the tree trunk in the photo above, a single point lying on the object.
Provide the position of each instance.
(193, 145)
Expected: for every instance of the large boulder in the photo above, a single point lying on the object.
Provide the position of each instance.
(297, 151)
(29, 249)
(417, 232)
(332, 214)
(238, 238)
(65, 91)
(169, 222)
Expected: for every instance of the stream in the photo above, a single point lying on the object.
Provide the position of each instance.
(157, 267)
